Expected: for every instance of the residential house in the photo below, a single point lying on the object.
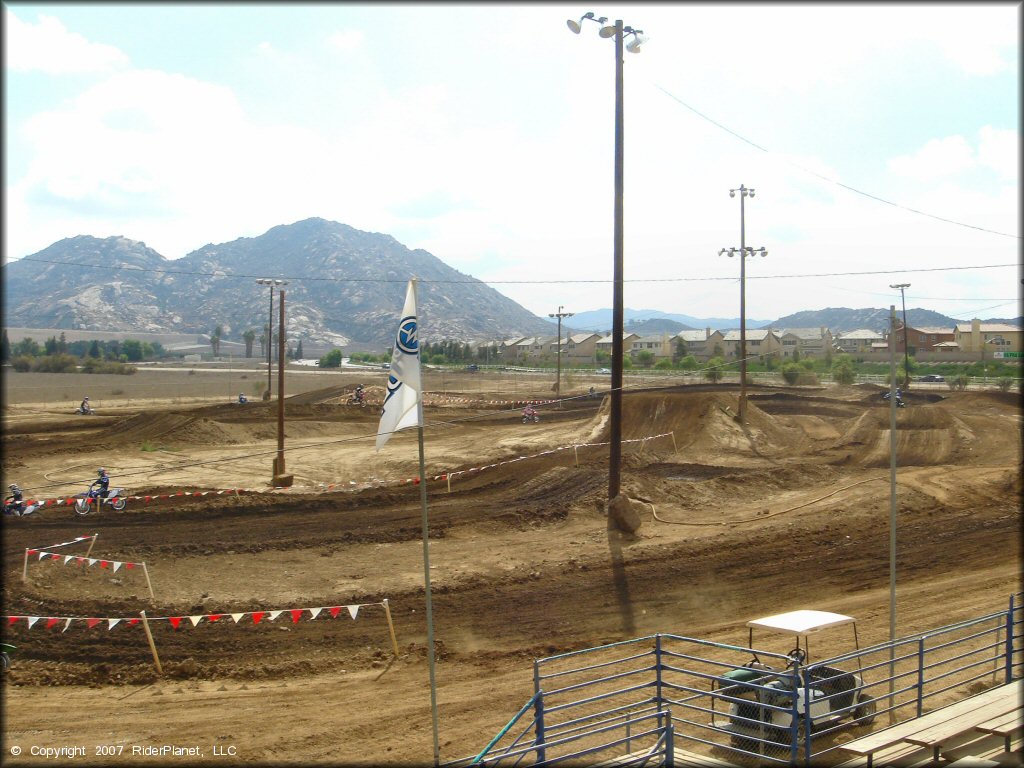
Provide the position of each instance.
(701, 344)
(761, 343)
(660, 346)
(604, 344)
(859, 341)
(988, 339)
(921, 339)
(580, 348)
(811, 342)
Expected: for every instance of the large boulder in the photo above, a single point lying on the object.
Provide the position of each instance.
(627, 514)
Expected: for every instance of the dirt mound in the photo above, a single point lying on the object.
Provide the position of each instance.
(924, 437)
(701, 422)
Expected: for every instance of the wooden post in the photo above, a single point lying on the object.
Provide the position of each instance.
(391, 627)
(152, 645)
(24, 570)
(448, 477)
(674, 448)
(149, 584)
(576, 455)
(91, 543)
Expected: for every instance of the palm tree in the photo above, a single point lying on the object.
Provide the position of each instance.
(249, 337)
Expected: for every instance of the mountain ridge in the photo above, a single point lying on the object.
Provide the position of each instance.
(344, 289)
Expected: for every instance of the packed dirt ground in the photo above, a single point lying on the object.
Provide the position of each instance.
(789, 511)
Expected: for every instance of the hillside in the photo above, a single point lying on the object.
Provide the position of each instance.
(345, 286)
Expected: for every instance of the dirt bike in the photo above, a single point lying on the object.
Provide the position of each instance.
(358, 398)
(19, 508)
(899, 400)
(87, 412)
(531, 416)
(84, 502)
(5, 654)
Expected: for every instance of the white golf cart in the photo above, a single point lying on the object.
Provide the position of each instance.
(760, 698)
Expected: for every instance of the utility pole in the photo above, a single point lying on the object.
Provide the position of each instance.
(558, 376)
(281, 480)
(906, 341)
(743, 252)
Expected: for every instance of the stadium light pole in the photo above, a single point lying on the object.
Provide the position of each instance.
(270, 330)
(906, 349)
(558, 375)
(743, 251)
(619, 32)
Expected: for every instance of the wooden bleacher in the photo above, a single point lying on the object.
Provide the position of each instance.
(947, 729)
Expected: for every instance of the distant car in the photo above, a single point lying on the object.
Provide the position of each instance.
(472, 368)
(604, 370)
(931, 377)
(386, 366)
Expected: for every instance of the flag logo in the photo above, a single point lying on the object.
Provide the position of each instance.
(406, 339)
(401, 406)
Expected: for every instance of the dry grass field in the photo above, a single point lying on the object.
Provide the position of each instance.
(787, 512)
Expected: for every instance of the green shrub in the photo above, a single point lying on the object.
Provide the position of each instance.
(96, 365)
(21, 363)
(842, 370)
(57, 363)
(331, 360)
(713, 372)
(1004, 384)
(791, 373)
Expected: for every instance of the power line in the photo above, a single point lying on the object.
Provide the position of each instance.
(826, 178)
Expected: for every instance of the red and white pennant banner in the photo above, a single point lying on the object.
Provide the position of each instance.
(296, 614)
(114, 565)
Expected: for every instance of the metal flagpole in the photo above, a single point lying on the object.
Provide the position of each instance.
(426, 583)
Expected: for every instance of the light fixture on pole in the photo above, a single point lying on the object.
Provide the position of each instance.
(558, 376)
(906, 341)
(619, 32)
(270, 330)
(744, 252)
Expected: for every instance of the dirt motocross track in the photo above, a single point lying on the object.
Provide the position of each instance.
(789, 511)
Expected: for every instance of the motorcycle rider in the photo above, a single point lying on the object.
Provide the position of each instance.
(529, 413)
(358, 395)
(101, 483)
(84, 407)
(14, 504)
(242, 398)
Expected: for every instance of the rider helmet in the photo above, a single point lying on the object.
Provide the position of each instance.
(14, 487)
(101, 471)
(86, 397)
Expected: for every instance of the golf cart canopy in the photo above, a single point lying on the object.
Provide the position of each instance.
(801, 623)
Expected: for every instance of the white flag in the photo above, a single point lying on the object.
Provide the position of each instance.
(401, 403)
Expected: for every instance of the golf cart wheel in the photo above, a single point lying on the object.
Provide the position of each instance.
(864, 712)
(82, 507)
(119, 504)
(5, 660)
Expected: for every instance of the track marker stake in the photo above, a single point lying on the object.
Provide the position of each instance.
(152, 645)
(391, 627)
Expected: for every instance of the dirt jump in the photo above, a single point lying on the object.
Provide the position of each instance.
(787, 510)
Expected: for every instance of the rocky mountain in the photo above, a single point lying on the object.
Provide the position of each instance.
(842, 319)
(345, 287)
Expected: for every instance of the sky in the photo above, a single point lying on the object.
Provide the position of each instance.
(882, 143)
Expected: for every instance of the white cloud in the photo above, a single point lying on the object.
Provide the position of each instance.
(937, 159)
(1000, 150)
(346, 39)
(49, 47)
